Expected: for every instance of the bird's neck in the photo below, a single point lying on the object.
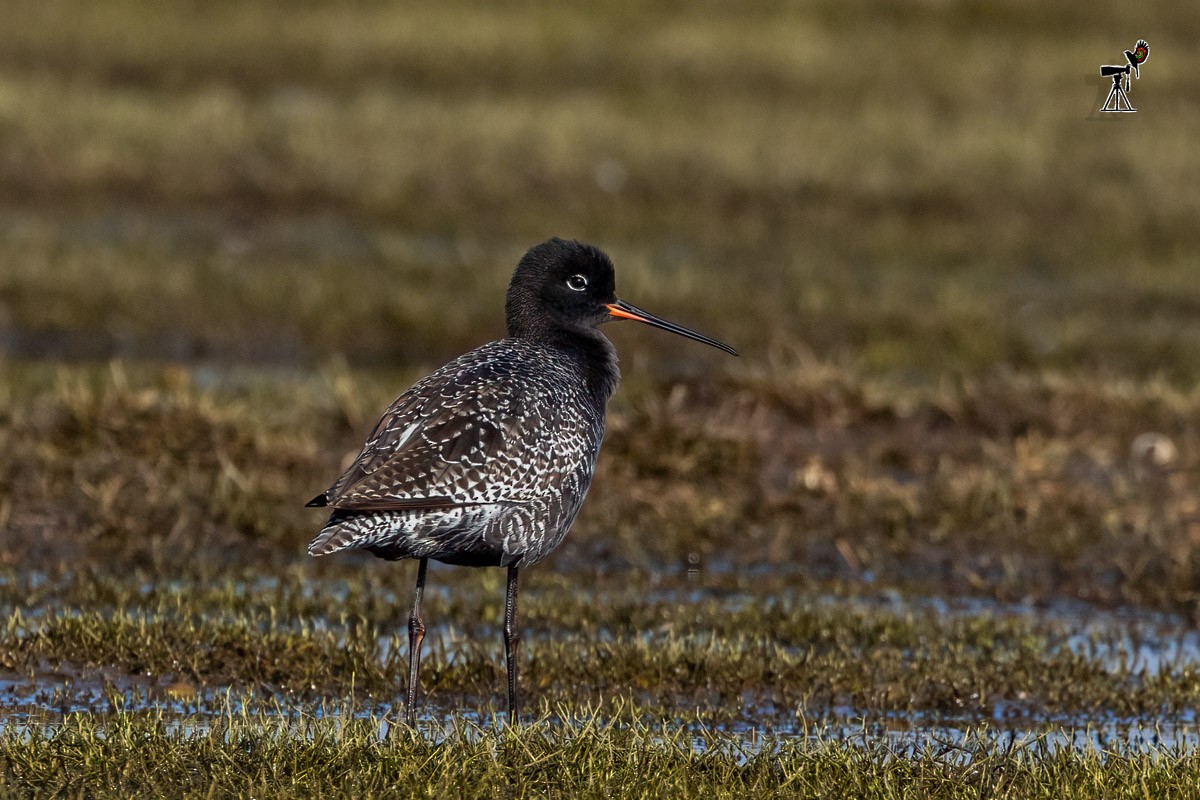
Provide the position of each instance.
(594, 355)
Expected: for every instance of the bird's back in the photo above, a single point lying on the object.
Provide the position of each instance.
(485, 461)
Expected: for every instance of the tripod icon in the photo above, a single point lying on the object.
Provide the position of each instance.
(1120, 78)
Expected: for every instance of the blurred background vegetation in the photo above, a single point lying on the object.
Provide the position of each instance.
(231, 232)
(919, 188)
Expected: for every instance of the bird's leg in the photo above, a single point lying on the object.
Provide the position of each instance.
(416, 635)
(512, 638)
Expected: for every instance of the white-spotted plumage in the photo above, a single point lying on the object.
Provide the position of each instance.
(483, 463)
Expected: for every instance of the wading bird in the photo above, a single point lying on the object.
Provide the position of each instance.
(485, 462)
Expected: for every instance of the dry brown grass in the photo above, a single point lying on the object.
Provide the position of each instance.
(1016, 485)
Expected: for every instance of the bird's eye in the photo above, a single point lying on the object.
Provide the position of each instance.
(577, 283)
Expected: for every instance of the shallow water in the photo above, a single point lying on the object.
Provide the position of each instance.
(1123, 641)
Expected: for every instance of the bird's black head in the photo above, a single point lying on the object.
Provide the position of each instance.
(560, 284)
(569, 287)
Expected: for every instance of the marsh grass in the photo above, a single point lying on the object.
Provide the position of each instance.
(305, 755)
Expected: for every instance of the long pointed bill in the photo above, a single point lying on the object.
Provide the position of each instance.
(623, 310)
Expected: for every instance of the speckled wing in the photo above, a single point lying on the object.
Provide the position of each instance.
(478, 431)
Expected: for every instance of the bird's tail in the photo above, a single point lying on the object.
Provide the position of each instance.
(340, 533)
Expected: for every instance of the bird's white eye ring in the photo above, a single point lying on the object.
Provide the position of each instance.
(577, 283)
